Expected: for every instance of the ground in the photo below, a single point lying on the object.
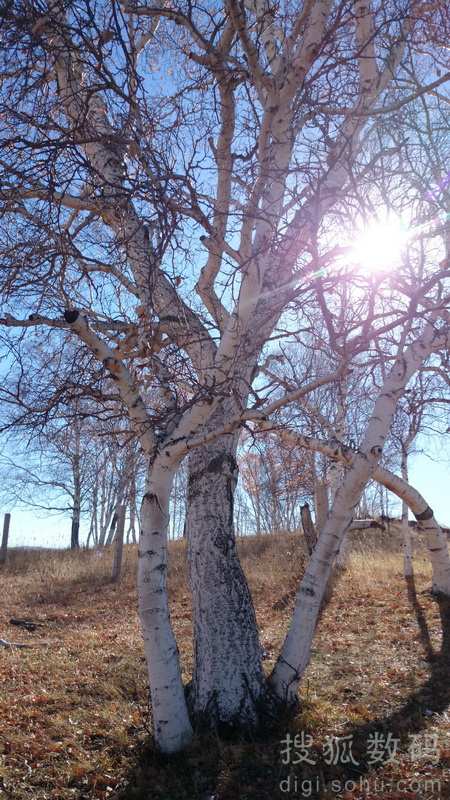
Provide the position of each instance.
(74, 710)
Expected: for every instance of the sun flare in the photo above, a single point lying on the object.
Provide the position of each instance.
(379, 246)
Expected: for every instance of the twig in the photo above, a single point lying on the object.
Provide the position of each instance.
(5, 643)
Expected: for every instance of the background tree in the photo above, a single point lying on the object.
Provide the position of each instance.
(276, 482)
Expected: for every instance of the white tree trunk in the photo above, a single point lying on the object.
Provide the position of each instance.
(172, 728)
(118, 504)
(435, 538)
(130, 477)
(90, 533)
(228, 678)
(295, 653)
(94, 512)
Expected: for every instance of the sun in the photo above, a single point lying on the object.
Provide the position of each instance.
(379, 246)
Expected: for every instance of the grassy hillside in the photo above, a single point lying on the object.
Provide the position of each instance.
(74, 713)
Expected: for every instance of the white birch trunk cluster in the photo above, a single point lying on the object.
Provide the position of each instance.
(184, 376)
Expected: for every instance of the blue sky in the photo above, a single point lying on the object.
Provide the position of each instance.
(430, 475)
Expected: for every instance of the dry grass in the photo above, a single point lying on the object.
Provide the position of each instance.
(75, 715)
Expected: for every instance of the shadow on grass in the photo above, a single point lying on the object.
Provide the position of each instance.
(66, 582)
(433, 697)
(67, 592)
(229, 766)
(214, 769)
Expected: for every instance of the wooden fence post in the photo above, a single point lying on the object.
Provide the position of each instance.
(4, 547)
(309, 530)
(118, 544)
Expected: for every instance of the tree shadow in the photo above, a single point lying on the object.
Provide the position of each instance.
(420, 617)
(433, 697)
(189, 775)
(203, 771)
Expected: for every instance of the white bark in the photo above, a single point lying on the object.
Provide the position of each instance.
(105, 152)
(172, 728)
(94, 514)
(365, 40)
(90, 533)
(435, 538)
(295, 653)
(106, 504)
(114, 528)
(294, 656)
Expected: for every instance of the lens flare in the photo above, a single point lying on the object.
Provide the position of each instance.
(380, 245)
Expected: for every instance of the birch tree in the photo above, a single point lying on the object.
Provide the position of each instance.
(276, 481)
(294, 655)
(416, 414)
(187, 209)
(435, 537)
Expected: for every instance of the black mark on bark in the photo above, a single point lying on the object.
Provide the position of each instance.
(427, 514)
